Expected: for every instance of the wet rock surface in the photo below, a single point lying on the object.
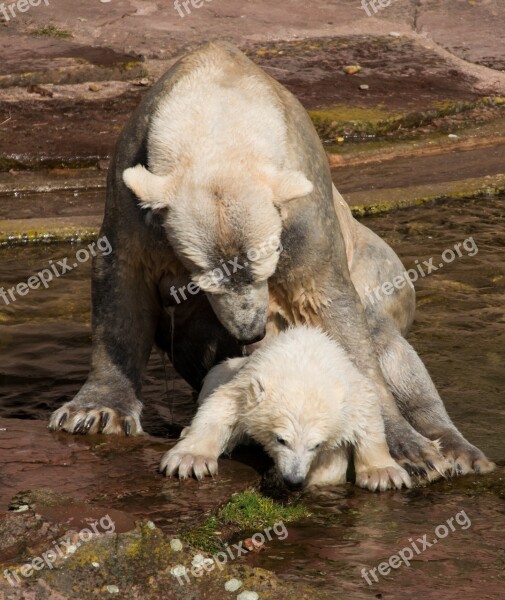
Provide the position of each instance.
(140, 563)
(402, 75)
(119, 473)
(405, 172)
(105, 521)
(71, 132)
(403, 78)
(471, 30)
(304, 47)
(32, 59)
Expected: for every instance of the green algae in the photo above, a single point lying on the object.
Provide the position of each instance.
(403, 201)
(53, 32)
(252, 510)
(37, 236)
(246, 511)
(33, 163)
(204, 536)
(345, 121)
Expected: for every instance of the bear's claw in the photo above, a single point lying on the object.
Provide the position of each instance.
(94, 420)
(456, 457)
(383, 478)
(185, 464)
(418, 455)
(469, 460)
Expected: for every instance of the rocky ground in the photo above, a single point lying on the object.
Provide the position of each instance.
(147, 527)
(422, 117)
(428, 97)
(84, 518)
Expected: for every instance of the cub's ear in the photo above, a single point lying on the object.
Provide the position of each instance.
(257, 390)
(287, 185)
(153, 191)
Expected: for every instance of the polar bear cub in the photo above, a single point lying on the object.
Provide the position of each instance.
(301, 397)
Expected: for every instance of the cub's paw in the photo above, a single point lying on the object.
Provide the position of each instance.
(97, 419)
(383, 478)
(178, 463)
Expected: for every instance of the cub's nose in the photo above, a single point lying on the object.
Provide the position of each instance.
(294, 483)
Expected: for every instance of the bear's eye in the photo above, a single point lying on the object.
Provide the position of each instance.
(280, 440)
(314, 448)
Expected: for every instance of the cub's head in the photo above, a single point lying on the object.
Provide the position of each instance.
(226, 230)
(294, 420)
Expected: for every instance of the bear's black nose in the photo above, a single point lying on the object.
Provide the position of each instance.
(294, 483)
(258, 338)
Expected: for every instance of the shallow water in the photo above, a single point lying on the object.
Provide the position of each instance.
(45, 343)
(460, 334)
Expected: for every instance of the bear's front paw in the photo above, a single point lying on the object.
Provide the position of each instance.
(463, 456)
(176, 462)
(93, 419)
(383, 478)
(418, 455)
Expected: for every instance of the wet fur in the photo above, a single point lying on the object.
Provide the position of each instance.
(319, 277)
(302, 388)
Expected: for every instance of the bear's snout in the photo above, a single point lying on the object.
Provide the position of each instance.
(253, 340)
(294, 483)
(243, 313)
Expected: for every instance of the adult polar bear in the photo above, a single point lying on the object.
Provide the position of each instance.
(217, 160)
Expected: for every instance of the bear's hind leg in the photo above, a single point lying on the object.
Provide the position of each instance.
(420, 403)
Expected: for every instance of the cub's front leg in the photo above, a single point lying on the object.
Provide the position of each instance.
(329, 468)
(211, 433)
(375, 467)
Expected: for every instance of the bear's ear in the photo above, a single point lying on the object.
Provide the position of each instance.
(287, 185)
(257, 390)
(153, 191)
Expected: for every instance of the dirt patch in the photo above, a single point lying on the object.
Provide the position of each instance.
(28, 59)
(406, 172)
(403, 79)
(55, 133)
(401, 75)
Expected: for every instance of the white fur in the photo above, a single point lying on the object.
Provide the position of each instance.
(300, 387)
(218, 119)
(213, 118)
(218, 166)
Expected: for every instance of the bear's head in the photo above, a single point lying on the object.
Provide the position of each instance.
(298, 401)
(226, 231)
